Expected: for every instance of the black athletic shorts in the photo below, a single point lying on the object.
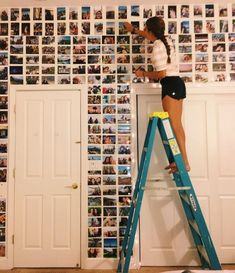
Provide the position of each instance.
(174, 87)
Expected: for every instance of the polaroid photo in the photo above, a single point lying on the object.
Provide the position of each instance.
(201, 57)
(110, 191)
(122, 12)
(202, 47)
(108, 79)
(147, 12)
(14, 40)
(124, 139)
(86, 28)
(125, 99)
(32, 80)
(223, 10)
(4, 73)
(123, 39)
(93, 59)
(123, 79)
(94, 232)
(79, 79)
(135, 10)
(49, 14)
(94, 79)
(109, 139)
(108, 90)
(37, 29)
(198, 26)
(137, 49)
(185, 38)
(73, 13)
(186, 48)
(110, 12)
(94, 180)
(124, 149)
(210, 11)
(94, 222)
(185, 68)
(185, 58)
(61, 28)
(3, 88)
(110, 149)
(93, 49)
(110, 242)
(124, 119)
(63, 59)
(64, 49)
(94, 129)
(25, 14)
(123, 49)
(94, 139)
(4, 58)
(94, 40)
(110, 28)
(109, 170)
(94, 89)
(110, 201)
(201, 78)
(94, 69)
(124, 190)
(98, 13)
(218, 47)
(159, 11)
(124, 170)
(64, 40)
(184, 27)
(109, 99)
(109, 109)
(109, 160)
(94, 252)
(217, 67)
(32, 40)
(94, 149)
(63, 69)
(219, 77)
(124, 180)
(4, 14)
(94, 99)
(49, 29)
(3, 29)
(201, 67)
(172, 11)
(223, 25)
(94, 119)
(197, 10)
(15, 14)
(79, 49)
(108, 69)
(86, 13)
(63, 80)
(32, 59)
(172, 27)
(123, 89)
(124, 211)
(48, 50)
(94, 242)
(136, 59)
(184, 11)
(32, 49)
(15, 29)
(201, 38)
(109, 231)
(124, 201)
(94, 191)
(124, 160)
(79, 40)
(94, 201)
(110, 119)
(32, 70)
(61, 13)
(124, 129)
(108, 59)
(73, 28)
(108, 40)
(109, 129)
(124, 109)
(109, 180)
(37, 14)
(123, 69)
(48, 80)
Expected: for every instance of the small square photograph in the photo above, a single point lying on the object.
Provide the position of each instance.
(110, 12)
(185, 38)
(25, 14)
(32, 79)
(109, 139)
(201, 67)
(32, 70)
(221, 57)
(37, 29)
(98, 28)
(223, 10)
(210, 12)
(64, 80)
(3, 105)
(25, 29)
(110, 202)
(110, 28)
(219, 67)
(61, 13)
(94, 139)
(172, 27)
(231, 47)
(184, 27)
(184, 11)
(198, 26)
(124, 109)
(61, 28)
(37, 14)
(159, 11)
(110, 119)
(32, 59)
(202, 47)
(109, 149)
(92, 40)
(73, 28)
(64, 40)
(94, 211)
(109, 180)
(3, 14)
(63, 59)
(3, 159)
(124, 129)
(94, 149)
(48, 80)
(93, 242)
(15, 14)
(203, 37)
(109, 232)
(122, 12)
(185, 48)
(3, 135)
(185, 68)
(108, 90)
(73, 13)
(136, 49)
(147, 12)
(48, 50)
(232, 77)
(49, 29)
(172, 12)
(32, 40)
(2, 250)
(109, 170)
(110, 252)
(123, 39)
(4, 58)
(201, 78)
(94, 180)
(86, 13)
(3, 73)
(94, 222)
(111, 242)
(124, 119)
(94, 89)
(210, 26)
(2, 204)
(185, 58)
(94, 232)
(124, 190)
(94, 99)
(93, 69)
(197, 10)
(49, 14)
(232, 66)
(64, 49)
(94, 129)
(121, 28)
(124, 150)
(3, 88)
(109, 99)
(3, 172)
(124, 201)
(218, 47)
(138, 59)
(94, 79)
(111, 190)
(3, 29)
(108, 79)
(108, 39)
(94, 252)
(124, 180)
(221, 77)
(94, 201)
(95, 190)
(33, 49)
(135, 10)
(123, 69)
(108, 59)
(63, 69)
(223, 25)
(98, 13)
(4, 43)
(124, 170)
(124, 139)
(108, 69)
(109, 129)
(201, 57)
(94, 119)
(124, 211)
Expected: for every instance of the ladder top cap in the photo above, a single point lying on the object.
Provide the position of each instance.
(160, 115)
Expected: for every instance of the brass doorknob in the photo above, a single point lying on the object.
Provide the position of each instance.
(73, 186)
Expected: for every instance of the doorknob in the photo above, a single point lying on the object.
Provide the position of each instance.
(74, 186)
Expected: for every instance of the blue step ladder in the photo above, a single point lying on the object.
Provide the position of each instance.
(193, 213)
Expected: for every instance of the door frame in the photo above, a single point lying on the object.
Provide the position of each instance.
(9, 261)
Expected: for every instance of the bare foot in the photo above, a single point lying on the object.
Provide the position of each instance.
(172, 168)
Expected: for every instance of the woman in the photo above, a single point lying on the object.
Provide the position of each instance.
(165, 70)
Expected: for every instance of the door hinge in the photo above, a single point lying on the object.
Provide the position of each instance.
(13, 239)
(14, 172)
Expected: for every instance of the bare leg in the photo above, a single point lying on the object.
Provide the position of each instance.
(174, 108)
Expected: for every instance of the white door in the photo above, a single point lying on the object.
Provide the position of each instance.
(47, 179)
(164, 233)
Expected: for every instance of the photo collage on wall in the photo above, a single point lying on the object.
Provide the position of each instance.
(89, 45)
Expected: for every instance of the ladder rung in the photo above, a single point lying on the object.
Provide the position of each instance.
(166, 188)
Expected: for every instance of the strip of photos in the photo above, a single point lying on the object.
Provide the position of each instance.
(89, 45)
